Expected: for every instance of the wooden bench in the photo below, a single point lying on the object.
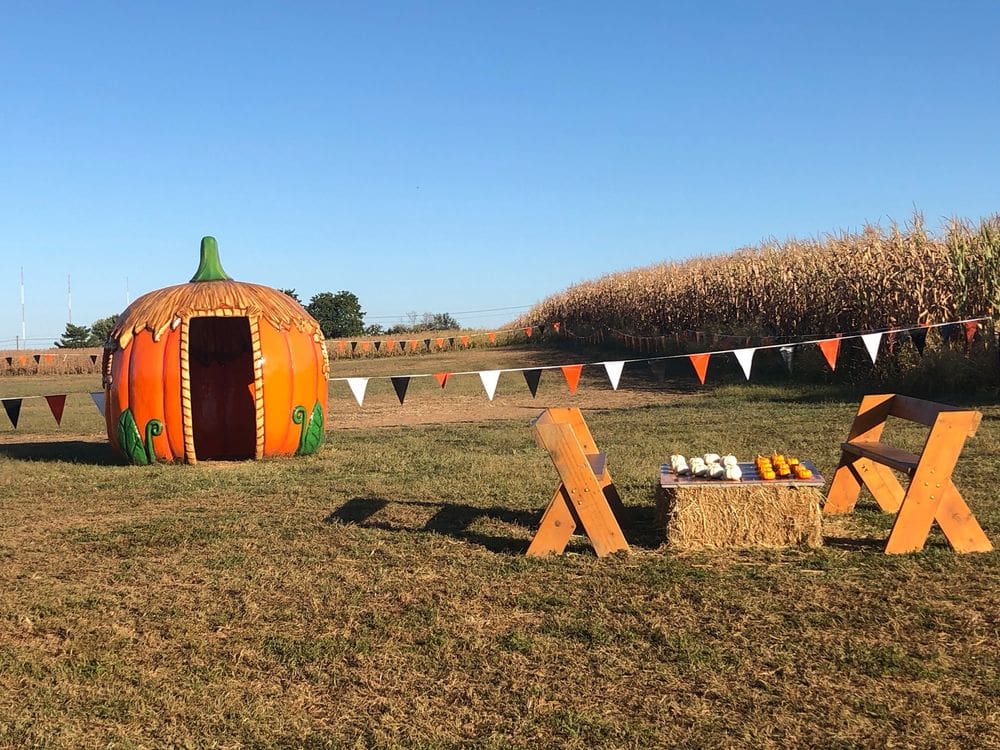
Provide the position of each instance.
(931, 495)
(586, 495)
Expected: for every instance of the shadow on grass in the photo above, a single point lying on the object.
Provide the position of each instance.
(70, 451)
(456, 520)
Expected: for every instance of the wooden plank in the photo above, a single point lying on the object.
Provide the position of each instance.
(926, 412)
(960, 527)
(882, 483)
(884, 454)
(750, 476)
(870, 420)
(585, 493)
(844, 489)
(556, 527)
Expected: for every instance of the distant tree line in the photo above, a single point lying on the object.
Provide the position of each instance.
(340, 316)
(82, 337)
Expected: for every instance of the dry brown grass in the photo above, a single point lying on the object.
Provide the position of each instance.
(873, 279)
(375, 595)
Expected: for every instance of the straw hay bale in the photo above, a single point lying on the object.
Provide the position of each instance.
(750, 516)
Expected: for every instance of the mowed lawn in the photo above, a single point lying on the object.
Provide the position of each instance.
(376, 594)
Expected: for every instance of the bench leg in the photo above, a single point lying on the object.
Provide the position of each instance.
(556, 527)
(882, 483)
(960, 527)
(913, 522)
(844, 489)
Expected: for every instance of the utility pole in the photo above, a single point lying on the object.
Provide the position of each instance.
(24, 336)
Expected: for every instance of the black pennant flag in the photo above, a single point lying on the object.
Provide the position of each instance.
(786, 354)
(659, 368)
(531, 377)
(427, 343)
(948, 332)
(451, 342)
(93, 359)
(37, 358)
(919, 337)
(378, 345)
(400, 384)
(354, 345)
(13, 408)
(10, 361)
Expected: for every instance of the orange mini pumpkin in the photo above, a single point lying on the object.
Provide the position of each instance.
(215, 369)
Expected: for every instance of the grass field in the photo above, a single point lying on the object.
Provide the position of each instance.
(375, 594)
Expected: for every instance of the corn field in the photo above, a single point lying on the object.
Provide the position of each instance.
(876, 278)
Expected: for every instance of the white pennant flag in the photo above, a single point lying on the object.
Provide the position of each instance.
(872, 341)
(614, 370)
(98, 397)
(490, 379)
(358, 386)
(745, 358)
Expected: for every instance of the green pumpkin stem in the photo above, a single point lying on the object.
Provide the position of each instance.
(210, 267)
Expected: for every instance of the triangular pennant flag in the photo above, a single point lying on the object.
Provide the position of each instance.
(49, 358)
(465, 341)
(22, 360)
(786, 354)
(98, 398)
(919, 337)
(541, 330)
(439, 343)
(451, 342)
(390, 345)
(830, 349)
(341, 346)
(490, 379)
(366, 346)
(13, 408)
(555, 327)
(492, 337)
(948, 332)
(659, 368)
(10, 361)
(93, 359)
(414, 345)
(745, 358)
(400, 383)
(527, 332)
(531, 377)
(971, 329)
(614, 370)
(572, 375)
(56, 406)
(377, 345)
(700, 364)
(871, 342)
(354, 346)
(37, 358)
(891, 343)
(427, 343)
(358, 386)
(442, 378)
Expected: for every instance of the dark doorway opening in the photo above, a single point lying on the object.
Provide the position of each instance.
(222, 388)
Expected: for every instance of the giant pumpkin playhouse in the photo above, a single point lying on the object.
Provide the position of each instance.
(215, 369)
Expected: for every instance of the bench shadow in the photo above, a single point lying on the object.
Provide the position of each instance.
(69, 451)
(456, 521)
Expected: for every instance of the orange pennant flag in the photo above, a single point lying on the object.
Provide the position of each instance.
(442, 377)
(390, 345)
(414, 345)
(365, 346)
(830, 348)
(493, 337)
(465, 341)
(555, 327)
(527, 332)
(439, 343)
(970, 331)
(700, 364)
(572, 375)
(56, 405)
(341, 346)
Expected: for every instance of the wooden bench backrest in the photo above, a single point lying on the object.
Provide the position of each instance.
(569, 415)
(875, 409)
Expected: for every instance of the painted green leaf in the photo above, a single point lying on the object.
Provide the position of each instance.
(313, 432)
(130, 440)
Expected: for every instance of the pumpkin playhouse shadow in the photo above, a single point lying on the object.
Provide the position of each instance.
(69, 451)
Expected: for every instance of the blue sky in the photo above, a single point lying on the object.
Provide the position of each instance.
(449, 157)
